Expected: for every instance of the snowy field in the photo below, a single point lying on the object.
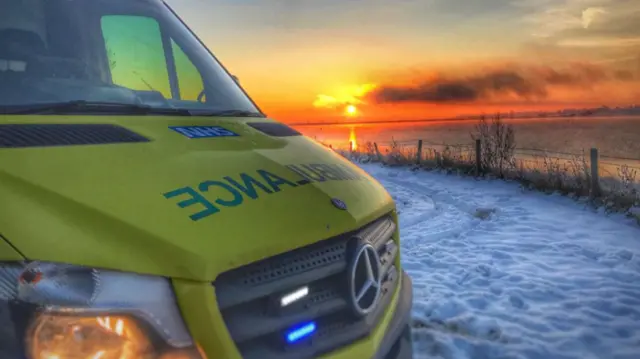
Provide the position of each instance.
(532, 276)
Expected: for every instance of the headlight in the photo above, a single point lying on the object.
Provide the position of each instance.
(57, 311)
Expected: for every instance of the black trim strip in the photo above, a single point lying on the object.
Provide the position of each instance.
(50, 135)
(274, 129)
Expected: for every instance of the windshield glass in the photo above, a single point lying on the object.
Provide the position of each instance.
(108, 51)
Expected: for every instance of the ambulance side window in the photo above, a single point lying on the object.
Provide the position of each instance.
(189, 78)
(135, 53)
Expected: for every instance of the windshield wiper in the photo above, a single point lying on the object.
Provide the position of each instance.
(81, 106)
(227, 113)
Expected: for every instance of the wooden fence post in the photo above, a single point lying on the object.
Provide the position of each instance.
(419, 155)
(478, 157)
(595, 177)
(375, 145)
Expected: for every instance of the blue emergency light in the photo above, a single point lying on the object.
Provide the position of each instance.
(301, 332)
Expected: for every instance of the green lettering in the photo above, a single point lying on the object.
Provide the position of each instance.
(249, 185)
(195, 198)
(237, 196)
(325, 171)
(308, 173)
(350, 172)
(341, 173)
(274, 180)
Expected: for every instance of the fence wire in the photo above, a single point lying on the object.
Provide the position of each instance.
(518, 151)
(620, 169)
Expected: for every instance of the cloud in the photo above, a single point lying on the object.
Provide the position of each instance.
(590, 14)
(470, 8)
(511, 82)
(352, 95)
(596, 31)
(623, 75)
(568, 21)
(577, 75)
(461, 89)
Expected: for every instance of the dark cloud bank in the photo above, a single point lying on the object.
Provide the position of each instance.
(526, 84)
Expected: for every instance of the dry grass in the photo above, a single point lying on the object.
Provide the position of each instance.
(552, 174)
(498, 144)
(541, 172)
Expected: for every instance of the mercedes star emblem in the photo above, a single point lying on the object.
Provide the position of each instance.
(365, 277)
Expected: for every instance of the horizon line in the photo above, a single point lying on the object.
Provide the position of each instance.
(451, 119)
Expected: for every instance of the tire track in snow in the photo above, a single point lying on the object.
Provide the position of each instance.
(448, 218)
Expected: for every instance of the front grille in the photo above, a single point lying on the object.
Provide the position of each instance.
(249, 297)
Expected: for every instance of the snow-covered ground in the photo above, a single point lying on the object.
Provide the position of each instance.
(527, 276)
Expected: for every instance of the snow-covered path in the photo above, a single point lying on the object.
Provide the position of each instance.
(541, 277)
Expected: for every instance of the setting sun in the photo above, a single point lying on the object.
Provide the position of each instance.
(351, 110)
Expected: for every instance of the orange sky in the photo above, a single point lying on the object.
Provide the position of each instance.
(305, 60)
